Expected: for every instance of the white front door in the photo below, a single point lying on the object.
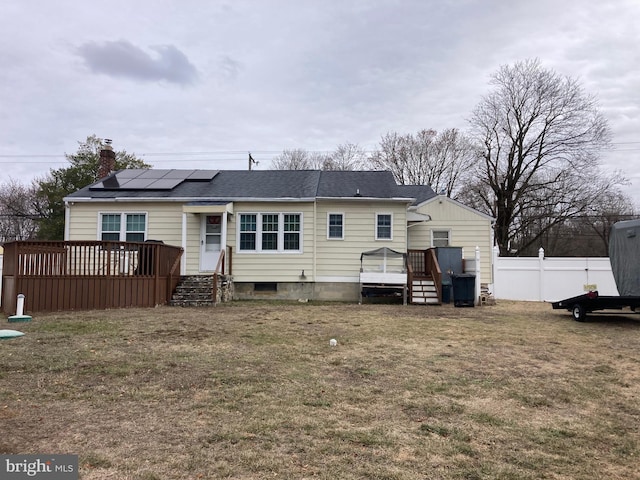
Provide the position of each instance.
(211, 232)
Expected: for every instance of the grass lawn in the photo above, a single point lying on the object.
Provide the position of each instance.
(253, 390)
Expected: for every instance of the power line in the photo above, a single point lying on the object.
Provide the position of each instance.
(242, 153)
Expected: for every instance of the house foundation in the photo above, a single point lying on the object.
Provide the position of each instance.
(302, 291)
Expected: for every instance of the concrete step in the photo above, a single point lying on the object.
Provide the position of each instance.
(193, 291)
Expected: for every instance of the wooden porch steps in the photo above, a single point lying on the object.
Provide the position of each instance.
(423, 291)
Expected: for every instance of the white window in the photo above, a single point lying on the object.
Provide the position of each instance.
(270, 232)
(335, 226)
(384, 222)
(292, 231)
(440, 238)
(123, 227)
(248, 231)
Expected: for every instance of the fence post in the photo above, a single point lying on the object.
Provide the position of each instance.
(496, 259)
(477, 272)
(540, 274)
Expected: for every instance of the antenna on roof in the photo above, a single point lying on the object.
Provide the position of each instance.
(252, 161)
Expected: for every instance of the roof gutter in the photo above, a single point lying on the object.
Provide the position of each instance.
(231, 199)
(183, 199)
(371, 199)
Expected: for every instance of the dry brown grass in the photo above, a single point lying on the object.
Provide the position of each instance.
(253, 390)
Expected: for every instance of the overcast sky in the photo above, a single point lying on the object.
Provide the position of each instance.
(198, 84)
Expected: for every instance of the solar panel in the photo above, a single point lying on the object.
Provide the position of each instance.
(182, 174)
(130, 173)
(150, 179)
(165, 184)
(109, 182)
(137, 184)
(151, 173)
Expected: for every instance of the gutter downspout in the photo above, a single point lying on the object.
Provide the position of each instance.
(67, 217)
(183, 259)
(315, 221)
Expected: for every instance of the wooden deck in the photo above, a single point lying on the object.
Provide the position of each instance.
(420, 283)
(88, 275)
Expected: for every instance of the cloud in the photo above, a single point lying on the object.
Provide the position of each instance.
(123, 59)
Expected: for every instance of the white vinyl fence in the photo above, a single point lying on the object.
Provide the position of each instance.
(550, 279)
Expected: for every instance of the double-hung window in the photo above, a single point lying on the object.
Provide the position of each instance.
(335, 226)
(248, 231)
(270, 232)
(292, 231)
(439, 238)
(123, 227)
(384, 226)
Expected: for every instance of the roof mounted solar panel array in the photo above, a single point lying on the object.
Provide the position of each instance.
(150, 179)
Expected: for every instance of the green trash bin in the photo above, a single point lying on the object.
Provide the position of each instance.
(464, 290)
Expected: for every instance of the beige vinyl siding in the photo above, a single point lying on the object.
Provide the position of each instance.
(467, 229)
(341, 258)
(332, 259)
(273, 266)
(163, 221)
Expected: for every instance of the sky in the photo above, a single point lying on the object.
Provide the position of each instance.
(199, 84)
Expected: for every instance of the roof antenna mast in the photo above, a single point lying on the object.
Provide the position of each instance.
(252, 161)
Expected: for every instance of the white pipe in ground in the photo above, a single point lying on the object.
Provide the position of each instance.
(20, 305)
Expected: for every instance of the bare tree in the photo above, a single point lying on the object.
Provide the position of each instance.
(585, 234)
(404, 156)
(613, 206)
(441, 160)
(18, 211)
(541, 136)
(452, 161)
(296, 159)
(348, 156)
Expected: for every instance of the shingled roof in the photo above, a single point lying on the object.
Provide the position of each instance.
(245, 184)
(421, 193)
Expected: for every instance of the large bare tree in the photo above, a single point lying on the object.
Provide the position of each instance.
(541, 136)
(441, 160)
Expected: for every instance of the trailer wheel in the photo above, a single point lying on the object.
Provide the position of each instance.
(578, 312)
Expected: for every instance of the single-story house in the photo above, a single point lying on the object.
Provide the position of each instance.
(287, 234)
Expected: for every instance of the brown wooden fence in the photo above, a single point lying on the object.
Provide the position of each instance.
(88, 275)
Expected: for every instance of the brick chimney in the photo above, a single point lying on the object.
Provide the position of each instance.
(107, 162)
